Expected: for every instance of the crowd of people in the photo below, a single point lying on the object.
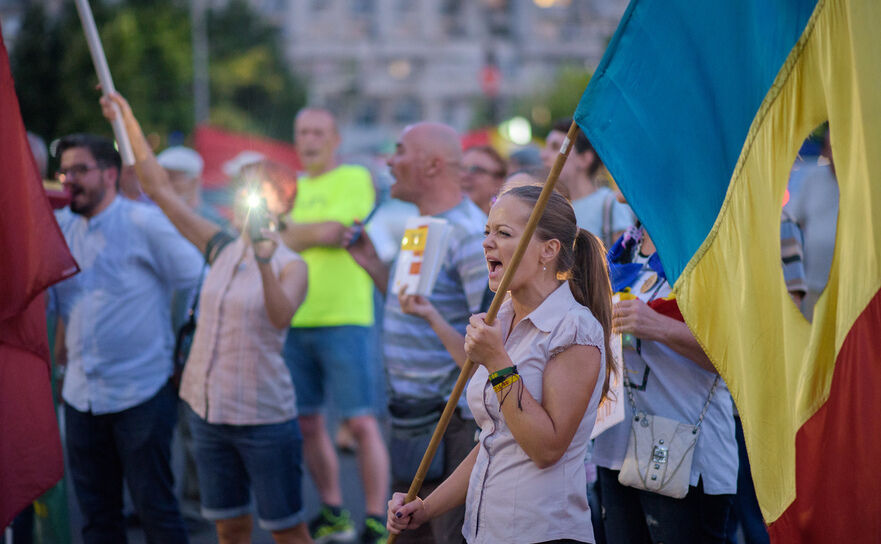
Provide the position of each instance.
(282, 298)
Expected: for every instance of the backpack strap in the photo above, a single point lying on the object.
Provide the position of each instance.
(607, 219)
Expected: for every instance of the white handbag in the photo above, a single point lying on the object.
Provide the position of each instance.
(660, 451)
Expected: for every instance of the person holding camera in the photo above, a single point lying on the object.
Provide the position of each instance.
(240, 393)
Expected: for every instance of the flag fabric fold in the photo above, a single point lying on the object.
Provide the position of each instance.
(34, 255)
(701, 108)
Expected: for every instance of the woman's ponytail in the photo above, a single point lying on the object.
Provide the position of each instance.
(582, 259)
(590, 286)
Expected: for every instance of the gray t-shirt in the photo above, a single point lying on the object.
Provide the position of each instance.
(589, 213)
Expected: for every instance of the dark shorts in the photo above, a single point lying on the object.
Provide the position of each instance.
(233, 461)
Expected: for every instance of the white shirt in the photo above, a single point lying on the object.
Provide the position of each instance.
(509, 498)
(117, 311)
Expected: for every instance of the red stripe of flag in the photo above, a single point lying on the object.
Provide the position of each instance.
(838, 450)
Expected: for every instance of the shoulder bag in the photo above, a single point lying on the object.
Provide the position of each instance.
(660, 451)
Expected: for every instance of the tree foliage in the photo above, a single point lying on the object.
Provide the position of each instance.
(251, 88)
(556, 101)
(148, 46)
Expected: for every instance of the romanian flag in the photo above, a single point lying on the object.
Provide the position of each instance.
(700, 108)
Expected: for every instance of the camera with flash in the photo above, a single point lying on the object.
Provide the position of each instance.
(258, 217)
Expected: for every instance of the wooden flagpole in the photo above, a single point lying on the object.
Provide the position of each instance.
(499, 297)
(103, 71)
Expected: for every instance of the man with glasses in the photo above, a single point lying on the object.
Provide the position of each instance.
(114, 319)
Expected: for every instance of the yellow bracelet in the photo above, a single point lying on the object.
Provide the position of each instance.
(508, 382)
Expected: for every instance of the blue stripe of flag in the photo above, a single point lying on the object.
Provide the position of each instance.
(671, 103)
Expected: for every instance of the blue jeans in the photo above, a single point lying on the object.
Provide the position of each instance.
(234, 460)
(336, 359)
(636, 516)
(134, 444)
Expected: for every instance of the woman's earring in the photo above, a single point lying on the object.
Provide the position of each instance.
(545, 268)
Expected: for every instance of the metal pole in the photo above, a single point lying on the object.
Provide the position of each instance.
(103, 71)
(201, 78)
(468, 367)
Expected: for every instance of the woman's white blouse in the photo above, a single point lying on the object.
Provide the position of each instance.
(509, 498)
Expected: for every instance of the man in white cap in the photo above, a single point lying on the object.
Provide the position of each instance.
(184, 167)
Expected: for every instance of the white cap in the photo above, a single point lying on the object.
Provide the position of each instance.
(181, 159)
(233, 166)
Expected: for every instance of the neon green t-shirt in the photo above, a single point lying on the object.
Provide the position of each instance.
(340, 292)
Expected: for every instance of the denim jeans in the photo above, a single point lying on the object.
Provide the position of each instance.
(134, 445)
(338, 360)
(636, 516)
(236, 461)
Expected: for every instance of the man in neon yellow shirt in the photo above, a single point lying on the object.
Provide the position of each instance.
(330, 345)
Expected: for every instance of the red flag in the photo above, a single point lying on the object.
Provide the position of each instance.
(34, 255)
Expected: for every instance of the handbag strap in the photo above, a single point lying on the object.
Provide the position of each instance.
(215, 245)
(607, 219)
(703, 411)
(191, 313)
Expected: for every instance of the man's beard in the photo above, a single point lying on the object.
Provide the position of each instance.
(93, 199)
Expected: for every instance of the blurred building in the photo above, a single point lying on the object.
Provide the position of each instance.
(382, 64)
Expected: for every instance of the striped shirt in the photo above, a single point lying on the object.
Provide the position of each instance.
(235, 373)
(416, 361)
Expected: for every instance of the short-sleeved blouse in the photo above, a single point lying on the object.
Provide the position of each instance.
(509, 498)
(235, 373)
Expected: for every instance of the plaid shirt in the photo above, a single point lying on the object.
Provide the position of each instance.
(235, 374)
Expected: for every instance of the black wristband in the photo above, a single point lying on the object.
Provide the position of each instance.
(262, 260)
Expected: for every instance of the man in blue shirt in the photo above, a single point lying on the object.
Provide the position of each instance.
(119, 407)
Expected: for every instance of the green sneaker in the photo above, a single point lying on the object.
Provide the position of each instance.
(374, 532)
(329, 526)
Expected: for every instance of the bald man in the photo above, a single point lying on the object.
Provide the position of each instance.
(423, 338)
(331, 345)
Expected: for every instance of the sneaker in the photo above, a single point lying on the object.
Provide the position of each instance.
(329, 526)
(374, 532)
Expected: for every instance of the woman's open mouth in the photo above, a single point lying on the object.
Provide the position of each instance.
(494, 266)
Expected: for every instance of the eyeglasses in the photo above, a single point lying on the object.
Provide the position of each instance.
(75, 172)
(476, 170)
